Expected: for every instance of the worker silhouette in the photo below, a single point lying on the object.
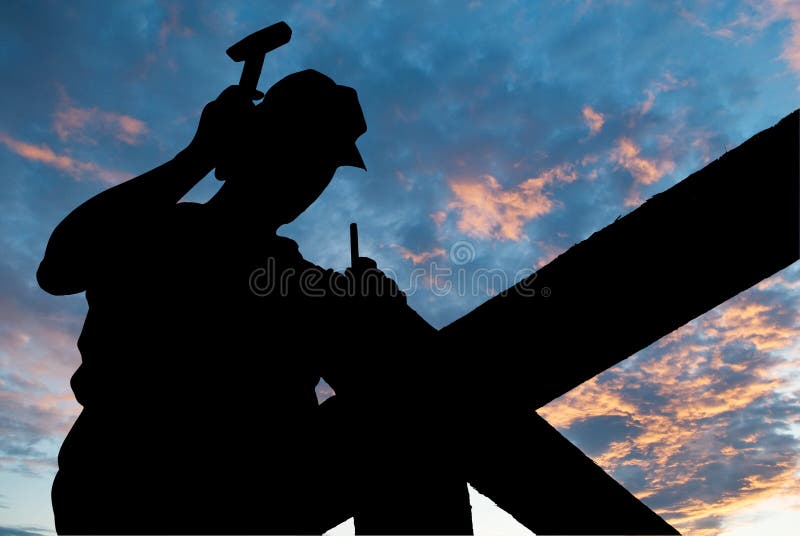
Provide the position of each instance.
(207, 333)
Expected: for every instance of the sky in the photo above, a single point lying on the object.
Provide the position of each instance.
(499, 134)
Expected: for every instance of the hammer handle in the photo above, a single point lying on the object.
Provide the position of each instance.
(250, 74)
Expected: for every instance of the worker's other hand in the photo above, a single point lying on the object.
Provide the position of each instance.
(224, 130)
(367, 281)
(374, 310)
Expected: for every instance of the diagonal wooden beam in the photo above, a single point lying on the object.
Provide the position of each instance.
(549, 485)
(718, 232)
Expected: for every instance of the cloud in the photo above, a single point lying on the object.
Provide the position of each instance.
(752, 18)
(648, 103)
(77, 169)
(790, 9)
(172, 25)
(754, 323)
(439, 217)
(697, 425)
(38, 353)
(667, 83)
(550, 252)
(487, 210)
(418, 258)
(643, 170)
(594, 120)
(74, 123)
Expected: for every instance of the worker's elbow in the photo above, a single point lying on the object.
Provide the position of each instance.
(57, 282)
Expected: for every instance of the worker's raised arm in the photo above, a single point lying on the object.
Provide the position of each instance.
(109, 221)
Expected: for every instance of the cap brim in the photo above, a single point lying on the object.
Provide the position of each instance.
(351, 157)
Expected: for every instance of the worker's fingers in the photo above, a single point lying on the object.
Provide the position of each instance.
(233, 91)
(236, 97)
(369, 281)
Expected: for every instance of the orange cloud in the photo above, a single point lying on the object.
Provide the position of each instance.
(420, 257)
(589, 399)
(643, 170)
(594, 120)
(751, 322)
(680, 403)
(487, 210)
(76, 169)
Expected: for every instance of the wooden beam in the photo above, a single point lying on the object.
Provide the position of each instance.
(535, 474)
(718, 232)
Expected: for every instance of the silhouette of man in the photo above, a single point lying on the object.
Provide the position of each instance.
(207, 333)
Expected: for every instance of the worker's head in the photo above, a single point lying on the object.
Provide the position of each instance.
(303, 130)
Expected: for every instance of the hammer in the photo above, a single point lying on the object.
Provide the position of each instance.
(252, 50)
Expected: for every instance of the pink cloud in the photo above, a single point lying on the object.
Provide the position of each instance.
(667, 83)
(756, 17)
(74, 123)
(549, 253)
(38, 354)
(594, 120)
(772, 11)
(648, 103)
(487, 210)
(439, 217)
(172, 26)
(791, 48)
(77, 169)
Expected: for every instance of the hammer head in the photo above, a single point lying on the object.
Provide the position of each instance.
(252, 50)
(259, 43)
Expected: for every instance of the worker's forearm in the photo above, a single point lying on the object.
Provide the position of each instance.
(157, 189)
(160, 187)
(182, 173)
(111, 215)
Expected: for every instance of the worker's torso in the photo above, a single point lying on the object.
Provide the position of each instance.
(198, 339)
